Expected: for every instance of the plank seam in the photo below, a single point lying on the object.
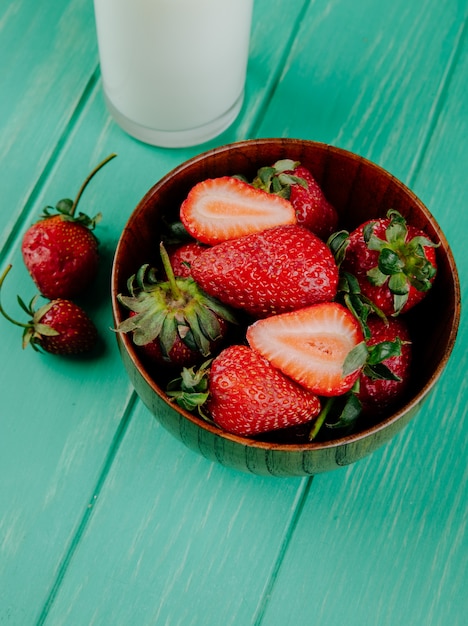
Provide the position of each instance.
(298, 507)
(281, 66)
(89, 509)
(438, 106)
(13, 236)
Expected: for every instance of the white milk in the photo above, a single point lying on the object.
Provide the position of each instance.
(173, 70)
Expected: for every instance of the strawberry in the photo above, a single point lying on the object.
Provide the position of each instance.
(295, 182)
(321, 347)
(172, 321)
(394, 262)
(219, 209)
(277, 270)
(385, 381)
(179, 354)
(59, 327)
(247, 395)
(60, 251)
(61, 256)
(182, 257)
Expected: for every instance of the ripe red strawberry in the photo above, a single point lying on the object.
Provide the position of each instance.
(59, 327)
(75, 331)
(277, 270)
(321, 347)
(60, 251)
(394, 262)
(379, 389)
(292, 180)
(224, 208)
(180, 354)
(247, 395)
(61, 256)
(172, 321)
(182, 257)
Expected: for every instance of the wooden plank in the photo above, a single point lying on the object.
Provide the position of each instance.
(374, 80)
(379, 544)
(386, 542)
(40, 93)
(63, 421)
(156, 577)
(168, 540)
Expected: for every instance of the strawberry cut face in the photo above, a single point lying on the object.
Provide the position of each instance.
(311, 346)
(225, 208)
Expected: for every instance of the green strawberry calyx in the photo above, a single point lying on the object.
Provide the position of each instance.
(66, 207)
(33, 330)
(402, 263)
(277, 179)
(350, 295)
(176, 307)
(191, 389)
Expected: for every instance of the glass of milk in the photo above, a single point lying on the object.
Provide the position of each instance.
(173, 71)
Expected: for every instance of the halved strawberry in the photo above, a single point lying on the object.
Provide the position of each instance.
(219, 209)
(321, 347)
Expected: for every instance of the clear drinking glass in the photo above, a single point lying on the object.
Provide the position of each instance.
(173, 71)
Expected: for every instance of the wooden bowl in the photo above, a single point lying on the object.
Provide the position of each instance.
(359, 190)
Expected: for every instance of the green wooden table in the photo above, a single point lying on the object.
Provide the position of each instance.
(105, 519)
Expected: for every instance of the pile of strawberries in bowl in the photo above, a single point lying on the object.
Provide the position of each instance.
(283, 306)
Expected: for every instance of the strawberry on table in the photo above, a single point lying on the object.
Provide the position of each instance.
(61, 256)
(172, 321)
(62, 327)
(59, 326)
(277, 270)
(60, 251)
(295, 182)
(321, 347)
(247, 395)
(219, 209)
(394, 262)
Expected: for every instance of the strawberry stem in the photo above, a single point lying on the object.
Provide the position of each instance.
(176, 293)
(85, 183)
(2, 310)
(321, 419)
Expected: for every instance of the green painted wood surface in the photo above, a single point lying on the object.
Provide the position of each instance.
(105, 518)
